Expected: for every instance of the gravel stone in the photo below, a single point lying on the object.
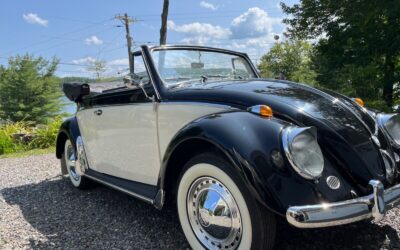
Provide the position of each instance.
(39, 209)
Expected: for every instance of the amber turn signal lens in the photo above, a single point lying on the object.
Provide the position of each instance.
(262, 110)
(265, 111)
(359, 101)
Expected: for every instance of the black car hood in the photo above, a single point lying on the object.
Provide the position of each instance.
(342, 128)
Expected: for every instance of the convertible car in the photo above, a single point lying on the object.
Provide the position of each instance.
(198, 126)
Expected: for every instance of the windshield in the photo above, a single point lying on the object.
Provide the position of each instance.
(182, 67)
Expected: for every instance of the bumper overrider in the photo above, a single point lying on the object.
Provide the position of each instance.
(373, 206)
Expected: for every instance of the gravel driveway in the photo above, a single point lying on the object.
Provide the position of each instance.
(39, 209)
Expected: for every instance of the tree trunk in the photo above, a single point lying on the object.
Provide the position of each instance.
(388, 81)
(164, 19)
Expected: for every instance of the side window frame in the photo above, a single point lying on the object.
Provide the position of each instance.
(155, 95)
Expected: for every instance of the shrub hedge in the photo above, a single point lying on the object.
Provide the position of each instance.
(23, 136)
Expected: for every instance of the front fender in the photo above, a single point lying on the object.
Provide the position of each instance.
(253, 145)
(69, 129)
(247, 141)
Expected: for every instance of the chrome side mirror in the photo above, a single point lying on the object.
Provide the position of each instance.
(133, 81)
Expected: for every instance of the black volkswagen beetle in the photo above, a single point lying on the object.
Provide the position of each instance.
(198, 126)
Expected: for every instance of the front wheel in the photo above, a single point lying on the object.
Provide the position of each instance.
(217, 211)
(69, 158)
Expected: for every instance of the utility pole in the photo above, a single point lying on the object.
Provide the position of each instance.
(126, 20)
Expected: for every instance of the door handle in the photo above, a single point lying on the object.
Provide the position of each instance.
(98, 112)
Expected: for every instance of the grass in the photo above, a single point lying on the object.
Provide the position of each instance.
(39, 151)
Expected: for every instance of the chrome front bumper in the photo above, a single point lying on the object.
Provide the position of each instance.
(372, 206)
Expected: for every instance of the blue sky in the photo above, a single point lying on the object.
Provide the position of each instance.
(78, 32)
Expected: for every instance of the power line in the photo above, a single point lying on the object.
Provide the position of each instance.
(192, 18)
(60, 35)
(77, 39)
(68, 41)
(173, 14)
(62, 63)
(101, 50)
(114, 49)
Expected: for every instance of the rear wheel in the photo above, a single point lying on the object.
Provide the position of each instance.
(70, 158)
(217, 211)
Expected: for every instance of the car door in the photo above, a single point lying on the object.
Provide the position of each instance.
(120, 133)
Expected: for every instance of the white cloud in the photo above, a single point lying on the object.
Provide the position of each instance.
(93, 40)
(255, 22)
(208, 5)
(199, 32)
(251, 32)
(34, 18)
(84, 60)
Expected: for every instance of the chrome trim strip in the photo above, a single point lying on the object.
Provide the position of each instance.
(194, 47)
(141, 197)
(199, 103)
(116, 105)
(203, 48)
(338, 213)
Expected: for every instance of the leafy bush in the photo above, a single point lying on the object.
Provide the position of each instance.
(7, 142)
(45, 136)
(22, 136)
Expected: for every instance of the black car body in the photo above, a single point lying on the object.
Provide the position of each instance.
(360, 154)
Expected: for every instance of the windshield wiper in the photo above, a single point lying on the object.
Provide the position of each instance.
(203, 79)
(184, 83)
(177, 78)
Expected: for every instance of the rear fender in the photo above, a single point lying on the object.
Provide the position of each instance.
(69, 129)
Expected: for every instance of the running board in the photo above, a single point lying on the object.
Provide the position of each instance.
(145, 192)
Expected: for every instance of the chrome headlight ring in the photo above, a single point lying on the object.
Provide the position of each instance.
(303, 152)
(390, 124)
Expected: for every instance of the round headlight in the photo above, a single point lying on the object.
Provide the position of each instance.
(390, 123)
(303, 152)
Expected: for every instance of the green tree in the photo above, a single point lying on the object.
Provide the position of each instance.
(29, 90)
(357, 35)
(97, 66)
(291, 59)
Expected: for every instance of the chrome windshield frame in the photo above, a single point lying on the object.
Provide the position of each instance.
(201, 48)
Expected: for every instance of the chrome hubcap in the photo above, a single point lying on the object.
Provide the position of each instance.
(71, 162)
(213, 214)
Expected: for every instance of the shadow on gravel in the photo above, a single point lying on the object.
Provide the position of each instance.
(101, 218)
(98, 218)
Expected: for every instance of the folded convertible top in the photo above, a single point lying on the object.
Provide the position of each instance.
(75, 91)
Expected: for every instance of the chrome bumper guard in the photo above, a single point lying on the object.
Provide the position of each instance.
(372, 206)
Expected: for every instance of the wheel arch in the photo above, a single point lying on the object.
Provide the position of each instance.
(212, 134)
(180, 155)
(68, 130)
(62, 137)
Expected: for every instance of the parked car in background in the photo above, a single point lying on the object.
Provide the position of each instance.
(198, 126)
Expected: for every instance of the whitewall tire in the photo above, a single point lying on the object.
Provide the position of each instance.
(69, 158)
(217, 212)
